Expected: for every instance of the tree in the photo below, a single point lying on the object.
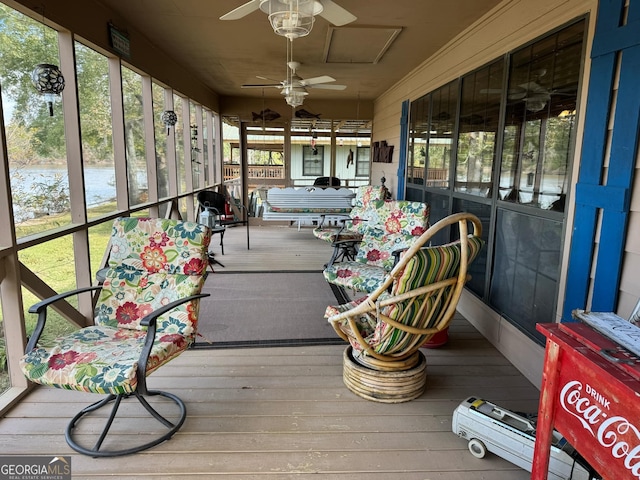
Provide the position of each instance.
(24, 43)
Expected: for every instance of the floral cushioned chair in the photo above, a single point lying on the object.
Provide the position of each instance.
(345, 238)
(416, 300)
(146, 315)
(393, 226)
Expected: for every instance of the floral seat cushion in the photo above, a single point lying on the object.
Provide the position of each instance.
(366, 323)
(429, 265)
(357, 276)
(330, 235)
(335, 210)
(99, 359)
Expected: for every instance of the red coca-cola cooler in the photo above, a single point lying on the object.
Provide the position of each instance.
(591, 394)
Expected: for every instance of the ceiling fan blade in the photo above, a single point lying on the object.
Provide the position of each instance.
(335, 14)
(517, 95)
(512, 94)
(272, 80)
(533, 87)
(263, 85)
(328, 87)
(316, 80)
(242, 10)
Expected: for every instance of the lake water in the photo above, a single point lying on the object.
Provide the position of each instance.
(99, 184)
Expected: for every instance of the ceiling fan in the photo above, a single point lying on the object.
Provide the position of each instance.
(331, 11)
(533, 94)
(294, 88)
(293, 18)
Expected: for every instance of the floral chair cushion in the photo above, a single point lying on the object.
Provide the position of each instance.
(367, 194)
(153, 262)
(159, 245)
(99, 359)
(397, 225)
(394, 227)
(429, 265)
(377, 247)
(330, 234)
(355, 275)
(127, 297)
(366, 323)
(400, 217)
(362, 208)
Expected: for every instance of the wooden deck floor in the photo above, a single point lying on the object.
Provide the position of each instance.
(284, 413)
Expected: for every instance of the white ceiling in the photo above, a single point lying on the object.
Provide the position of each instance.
(363, 55)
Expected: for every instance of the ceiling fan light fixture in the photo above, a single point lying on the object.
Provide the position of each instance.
(535, 105)
(295, 98)
(291, 18)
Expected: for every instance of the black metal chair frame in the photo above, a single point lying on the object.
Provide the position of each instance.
(141, 389)
(216, 202)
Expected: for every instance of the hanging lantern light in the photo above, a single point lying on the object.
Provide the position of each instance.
(49, 82)
(169, 118)
(291, 18)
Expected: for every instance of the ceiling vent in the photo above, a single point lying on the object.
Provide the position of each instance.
(358, 44)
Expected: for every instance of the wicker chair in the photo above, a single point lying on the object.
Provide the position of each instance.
(146, 315)
(416, 300)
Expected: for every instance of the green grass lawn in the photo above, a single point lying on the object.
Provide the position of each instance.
(54, 263)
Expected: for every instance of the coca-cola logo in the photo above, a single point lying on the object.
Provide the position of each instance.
(613, 432)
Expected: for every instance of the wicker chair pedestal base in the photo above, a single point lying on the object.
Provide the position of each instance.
(385, 386)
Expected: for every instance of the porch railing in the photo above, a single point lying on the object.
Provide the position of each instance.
(255, 172)
(436, 177)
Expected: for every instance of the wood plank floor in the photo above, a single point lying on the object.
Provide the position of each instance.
(284, 413)
(273, 246)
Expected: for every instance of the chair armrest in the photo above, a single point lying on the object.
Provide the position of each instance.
(237, 203)
(346, 221)
(41, 309)
(351, 219)
(322, 219)
(342, 220)
(396, 255)
(241, 206)
(149, 321)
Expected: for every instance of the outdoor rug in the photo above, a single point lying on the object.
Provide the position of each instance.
(265, 309)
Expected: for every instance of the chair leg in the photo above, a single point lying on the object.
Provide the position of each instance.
(340, 293)
(117, 399)
(212, 261)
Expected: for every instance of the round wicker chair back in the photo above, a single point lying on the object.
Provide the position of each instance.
(417, 299)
